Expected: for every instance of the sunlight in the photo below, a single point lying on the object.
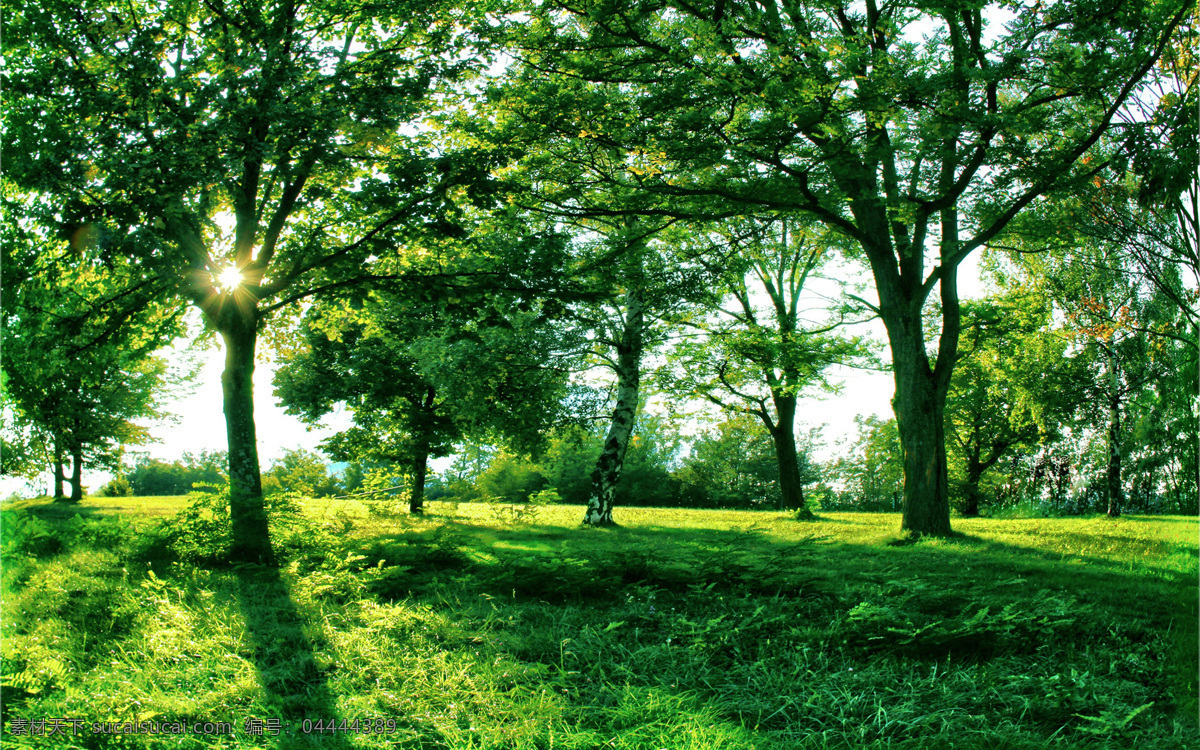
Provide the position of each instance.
(229, 279)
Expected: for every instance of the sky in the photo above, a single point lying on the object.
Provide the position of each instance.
(198, 423)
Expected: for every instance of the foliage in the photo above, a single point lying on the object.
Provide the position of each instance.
(734, 465)
(79, 366)
(1014, 389)
(142, 132)
(869, 476)
(509, 479)
(419, 373)
(1131, 362)
(116, 487)
(301, 472)
(152, 476)
(914, 132)
(646, 475)
(757, 350)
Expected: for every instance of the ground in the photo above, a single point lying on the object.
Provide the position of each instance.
(512, 627)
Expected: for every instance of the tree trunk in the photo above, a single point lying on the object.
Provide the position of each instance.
(1116, 496)
(919, 405)
(59, 471)
(427, 410)
(251, 542)
(971, 488)
(791, 487)
(920, 399)
(629, 369)
(77, 474)
(416, 500)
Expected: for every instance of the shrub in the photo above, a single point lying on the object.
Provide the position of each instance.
(200, 532)
(118, 487)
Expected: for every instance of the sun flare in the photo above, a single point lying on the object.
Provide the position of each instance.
(229, 279)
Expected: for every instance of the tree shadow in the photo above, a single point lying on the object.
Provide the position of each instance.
(294, 686)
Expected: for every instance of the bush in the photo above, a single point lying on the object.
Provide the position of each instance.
(200, 532)
(118, 487)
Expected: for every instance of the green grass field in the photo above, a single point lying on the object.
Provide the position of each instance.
(484, 626)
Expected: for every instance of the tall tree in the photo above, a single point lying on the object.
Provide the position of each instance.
(1109, 310)
(916, 130)
(620, 336)
(240, 154)
(757, 354)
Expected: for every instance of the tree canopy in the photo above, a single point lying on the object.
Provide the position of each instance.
(917, 131)
(239, 156)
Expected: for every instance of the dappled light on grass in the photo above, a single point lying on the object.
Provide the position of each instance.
(680, 629)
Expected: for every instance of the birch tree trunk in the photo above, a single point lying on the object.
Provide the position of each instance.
(628, 366)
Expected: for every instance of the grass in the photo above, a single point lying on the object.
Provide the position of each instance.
(483, 626)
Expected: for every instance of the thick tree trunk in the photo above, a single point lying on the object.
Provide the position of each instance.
(919, 406)
(77, 474)
(629, 370)
(920, 399)
(1116, 495)
(783, 435)
(248, 516)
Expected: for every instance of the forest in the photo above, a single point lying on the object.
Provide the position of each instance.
(573, 274)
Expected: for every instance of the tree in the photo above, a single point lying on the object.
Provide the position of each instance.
(1109, 311)
(734, 464)
(79, 365)
(646, 480)
(896, 135)
(760, 353)
(242, 155)
(419, 373)
(1148, 204)
(151, 476)
(1012, 389)
(620, 342)
(870, 476)
(303, 472)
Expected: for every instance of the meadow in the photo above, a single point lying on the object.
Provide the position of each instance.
(494, 626)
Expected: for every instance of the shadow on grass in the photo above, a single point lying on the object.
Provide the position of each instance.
(295, 688)
(283, 645)
(638, 574)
